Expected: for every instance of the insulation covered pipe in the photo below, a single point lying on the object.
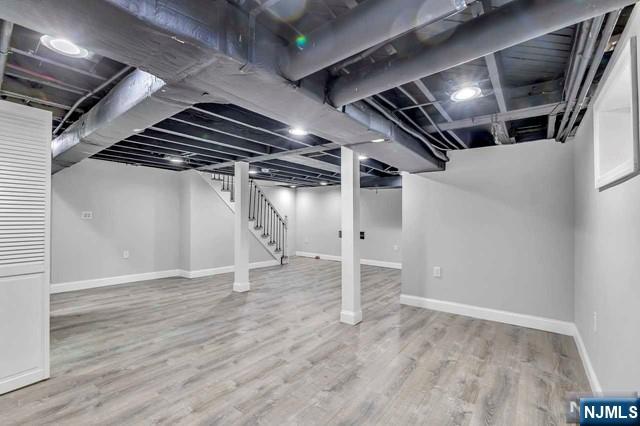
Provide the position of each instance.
(6, 29)
(367, 25)
(514, 23)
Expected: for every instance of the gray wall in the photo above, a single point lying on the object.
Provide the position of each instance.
(284, 200)
(607, 264)
(499, 222)
(318, 222)
(208, 227)
(134, 208)
(166, 220)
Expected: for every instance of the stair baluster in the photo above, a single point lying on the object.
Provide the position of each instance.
(262, 212)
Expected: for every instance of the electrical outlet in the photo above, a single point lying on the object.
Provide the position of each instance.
(125, 254)
(595, 322)
(86, 215)
(437, 272)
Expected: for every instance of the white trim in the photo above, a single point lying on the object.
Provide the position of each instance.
(127, 279)
(586, 361)
(224, 269)
(370, 262)
(103, 282)
(25, 378)
(241, 287)
(530, 321)
(381, 263)
(350, 317)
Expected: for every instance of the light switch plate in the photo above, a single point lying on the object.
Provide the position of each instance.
(437, 272)
(87, 215)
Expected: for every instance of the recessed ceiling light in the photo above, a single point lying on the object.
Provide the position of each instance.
(64, 47)
(323, 183)
(138, 130)
(176, 159)
(362, 157)
(292, 186)
(265, 170)
(378, 140)
(298, 131)
(253, 172)
(466, 93)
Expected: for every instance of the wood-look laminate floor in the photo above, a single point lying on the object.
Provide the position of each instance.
(178, 351)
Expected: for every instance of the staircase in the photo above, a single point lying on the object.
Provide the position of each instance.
(265, 222)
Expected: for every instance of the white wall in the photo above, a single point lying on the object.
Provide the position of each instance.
(499, 222)
(318, 222)
(207, 226)
(166, 220)
(284, 200)
(607, 264)
(134, 208)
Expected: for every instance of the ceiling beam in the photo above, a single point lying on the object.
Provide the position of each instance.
(438, 106)
(236, 131)
(202, 52)
(154, 143)
(551, 126)
(278, 155)
(514, 23)
(369, 24)
(318, 164)
(182, 130)
(516, 114)
(499, 130)
(135, 163)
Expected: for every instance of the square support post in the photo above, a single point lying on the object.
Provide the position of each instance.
(351, 312)
(241, 228)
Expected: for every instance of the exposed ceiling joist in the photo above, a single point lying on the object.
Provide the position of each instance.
(518, 114)
(497, 30)
(279, 155)
(205, 58)
(438, 106)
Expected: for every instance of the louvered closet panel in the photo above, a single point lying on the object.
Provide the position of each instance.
(25, 180)
(24, 191)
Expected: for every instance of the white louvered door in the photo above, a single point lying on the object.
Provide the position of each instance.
(25, 180)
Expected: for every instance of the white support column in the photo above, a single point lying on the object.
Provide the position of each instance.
(241, 228)
(350, 195)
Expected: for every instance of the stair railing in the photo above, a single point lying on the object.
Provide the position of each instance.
(262, 213)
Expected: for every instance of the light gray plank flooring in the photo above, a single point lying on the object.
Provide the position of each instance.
(178, 351)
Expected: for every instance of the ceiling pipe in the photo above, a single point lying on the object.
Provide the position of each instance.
(576, 55)
(609, 27)
(365, 26)
(200, 52)
(5, 38)
(583, 63)
(509, 25)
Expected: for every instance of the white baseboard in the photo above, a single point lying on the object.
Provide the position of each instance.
(530, 321)
(241, 287)
(586, 361)
(103, 282)
(22, 379)
(370, 262)
(224, 269)
(350, 317)
(126, 279)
